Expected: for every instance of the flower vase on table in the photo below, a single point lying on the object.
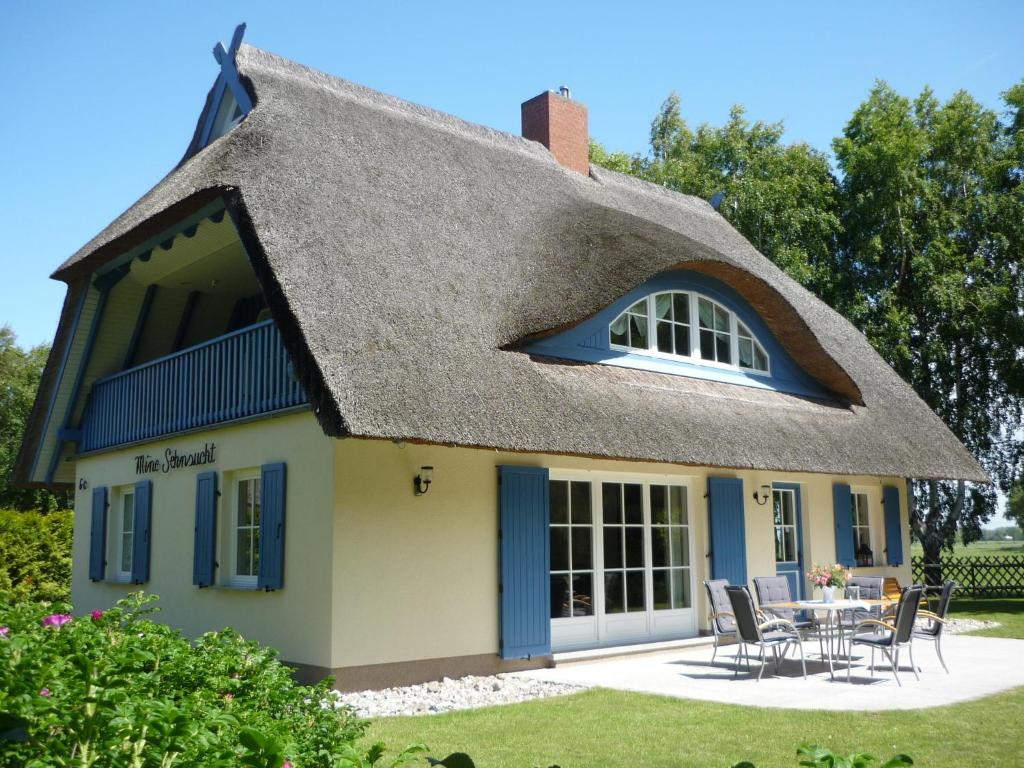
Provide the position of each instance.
(828, 577)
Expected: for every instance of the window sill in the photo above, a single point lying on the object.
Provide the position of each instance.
(234, 588)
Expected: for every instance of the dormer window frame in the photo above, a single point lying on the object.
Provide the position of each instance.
(632, 315)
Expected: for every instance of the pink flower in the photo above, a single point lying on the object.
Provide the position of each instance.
(4, 631)
(56, 620)
(45, 693)
(287, 764)
(96, 615)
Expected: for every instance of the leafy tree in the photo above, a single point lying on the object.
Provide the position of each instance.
(932, 249)
(1015, 503)
(783, 198)
(919, 242)
(20, 371)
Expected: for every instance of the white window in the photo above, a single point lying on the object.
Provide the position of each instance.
(572, 556)
(784, 515)
(125, 535)
(670, 548)
(686, 325)
(862, 530)
(245, 529)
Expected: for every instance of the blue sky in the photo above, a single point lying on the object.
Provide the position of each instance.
(100, 99)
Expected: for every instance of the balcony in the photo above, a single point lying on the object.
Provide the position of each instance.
(237, 376)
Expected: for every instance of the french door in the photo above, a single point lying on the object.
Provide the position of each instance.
(621, 560)
(789, 539)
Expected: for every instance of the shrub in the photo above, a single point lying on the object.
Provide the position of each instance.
(117, 689)
(35, 554)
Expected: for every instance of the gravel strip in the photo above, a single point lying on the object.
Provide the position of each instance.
(451, 694)
(959, 626)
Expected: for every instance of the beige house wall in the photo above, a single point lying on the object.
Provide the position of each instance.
(296, 619)
(416, 577)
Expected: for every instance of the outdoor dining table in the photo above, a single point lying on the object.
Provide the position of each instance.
(834, 616)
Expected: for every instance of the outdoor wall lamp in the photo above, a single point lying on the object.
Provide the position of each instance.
(761, 494)
(422, 481)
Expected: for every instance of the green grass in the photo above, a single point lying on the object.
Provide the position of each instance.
(602, 728)
(977, 549)
(612, 728)
(1009, 612)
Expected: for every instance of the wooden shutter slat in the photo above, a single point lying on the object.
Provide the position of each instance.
(842, 510)
(893, 525)
(98, 535)
(525, 562)
(728, 529)
(204, 553)
(141, 525)
(272, 509)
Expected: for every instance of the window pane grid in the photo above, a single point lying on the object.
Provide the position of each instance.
(247, 529)
(784, 515)
(625, 566)
(571, 532)
(662, 323)
(670, 547)
(861, 526)
(127, 532)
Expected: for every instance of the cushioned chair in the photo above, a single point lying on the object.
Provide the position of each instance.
(871, 588)
(775, 589)
(891, 638)
(772, 634)
(723, 624)
(931, 626)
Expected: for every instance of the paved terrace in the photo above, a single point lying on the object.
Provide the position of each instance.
(979, 666)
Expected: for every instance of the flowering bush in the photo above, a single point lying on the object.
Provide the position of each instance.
(828, 575)
(117, 689)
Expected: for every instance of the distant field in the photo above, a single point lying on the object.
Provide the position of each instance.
(979, 549)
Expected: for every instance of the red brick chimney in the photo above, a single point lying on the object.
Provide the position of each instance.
(560, 124)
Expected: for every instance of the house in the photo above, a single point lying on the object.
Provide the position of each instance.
(408, 397)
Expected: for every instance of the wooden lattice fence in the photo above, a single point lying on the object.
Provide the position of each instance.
(990, 576)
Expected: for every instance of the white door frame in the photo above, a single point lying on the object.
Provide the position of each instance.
(601, 629)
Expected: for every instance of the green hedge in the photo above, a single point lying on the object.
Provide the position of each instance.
(35, 555)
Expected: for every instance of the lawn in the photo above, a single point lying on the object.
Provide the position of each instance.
(1009, 612)
(612, 728)
(632, 730)
(977, 549)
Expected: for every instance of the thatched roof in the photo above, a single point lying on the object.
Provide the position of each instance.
(407, 255)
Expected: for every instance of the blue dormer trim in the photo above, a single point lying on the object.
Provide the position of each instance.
(227, 81)
(589, 341)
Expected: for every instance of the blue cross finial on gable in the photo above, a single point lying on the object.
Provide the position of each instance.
(228, 80)
(236, 40)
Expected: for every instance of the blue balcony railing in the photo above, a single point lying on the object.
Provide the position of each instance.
(236, 376)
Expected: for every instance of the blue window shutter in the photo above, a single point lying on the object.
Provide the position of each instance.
(204, 552)
(728, 529)
(141, 524)
(525, 562)
(842, 509)
(98, 535)
(272, 493)
(893, 525)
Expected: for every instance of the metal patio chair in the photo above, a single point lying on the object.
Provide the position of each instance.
(871, 588)
(772, 634)
(934, 622)
(890, 638)
(723, 623)
(775, 589)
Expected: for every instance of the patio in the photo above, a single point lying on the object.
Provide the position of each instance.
(979, 666)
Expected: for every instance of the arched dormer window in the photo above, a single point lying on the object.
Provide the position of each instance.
(686, 325)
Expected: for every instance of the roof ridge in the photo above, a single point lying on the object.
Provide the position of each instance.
(283, 66)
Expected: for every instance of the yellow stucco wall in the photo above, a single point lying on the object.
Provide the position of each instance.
(417, 577)
(297, 619)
